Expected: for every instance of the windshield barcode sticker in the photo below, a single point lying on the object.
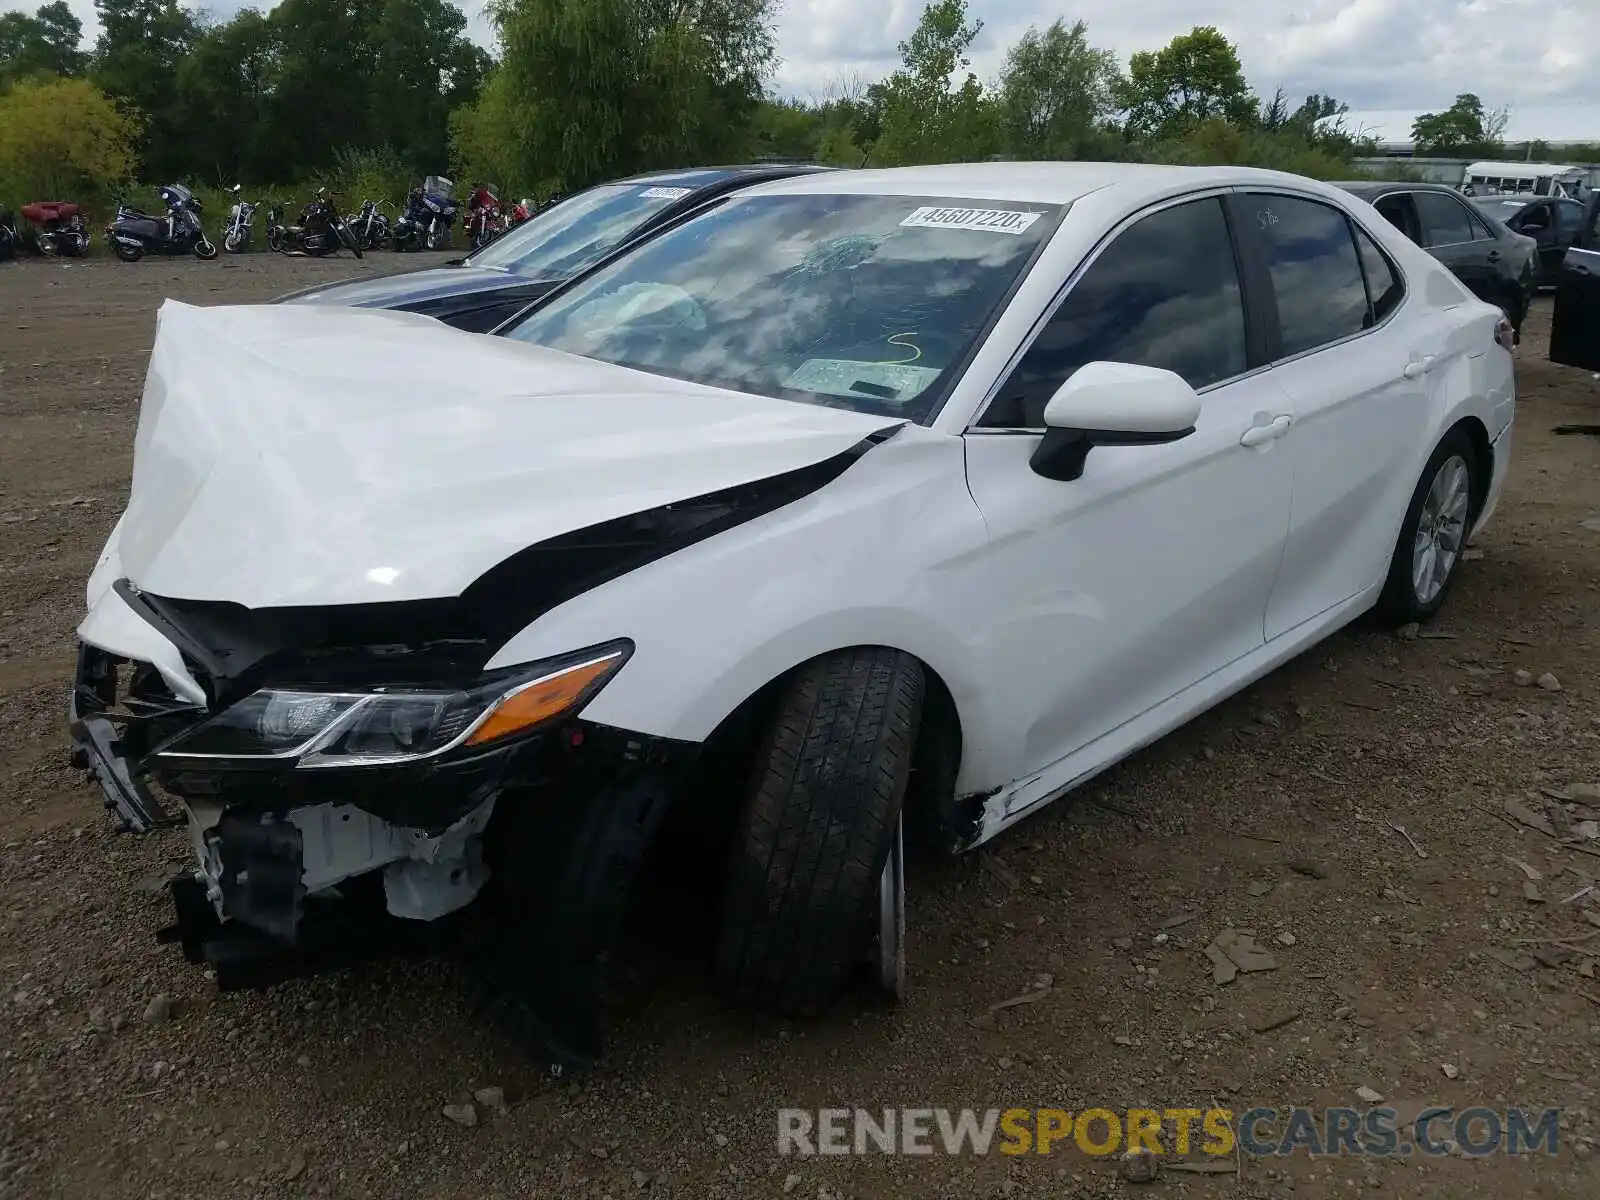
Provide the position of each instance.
(991, 220)
(665, 193)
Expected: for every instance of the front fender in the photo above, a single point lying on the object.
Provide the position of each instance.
(868, 559)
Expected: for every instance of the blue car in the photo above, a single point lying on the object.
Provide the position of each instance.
(486, 288)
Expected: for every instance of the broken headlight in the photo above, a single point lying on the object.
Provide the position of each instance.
(393, 725)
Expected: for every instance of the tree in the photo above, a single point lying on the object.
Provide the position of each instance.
(63, 138)
(592, 89)
(1318, 121)
(923, 118)
(1464, 129)
(142, 44)
(43, 44)
(1054, 92)
(1196, 77)
(422, 67)
(225, 91)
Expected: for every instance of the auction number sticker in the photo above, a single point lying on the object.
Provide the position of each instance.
(991, 220)
(665, 193)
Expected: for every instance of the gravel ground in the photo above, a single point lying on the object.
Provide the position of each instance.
(1407, 971)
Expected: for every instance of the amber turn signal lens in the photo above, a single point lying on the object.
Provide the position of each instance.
(537, 702)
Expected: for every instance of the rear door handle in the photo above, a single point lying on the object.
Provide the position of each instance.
(1418, 366)
(1271, 431)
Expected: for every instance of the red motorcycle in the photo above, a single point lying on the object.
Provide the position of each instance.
(485, 218)
(59, 228)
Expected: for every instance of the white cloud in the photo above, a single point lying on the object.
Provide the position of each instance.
(1387, 59)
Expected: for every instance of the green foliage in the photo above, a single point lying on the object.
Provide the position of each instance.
(356, 175)
(142, 44)
(1464, 130)
(366, 96)
(1195, 78)
(922, 118)
(45, 44)
(63, 139)
(602, 88)
(1055, 93)
(1218, 143)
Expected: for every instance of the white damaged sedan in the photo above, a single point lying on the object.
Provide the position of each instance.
(855, 503)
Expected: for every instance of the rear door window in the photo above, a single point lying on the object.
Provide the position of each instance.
(1315, 269)
(1384, 289)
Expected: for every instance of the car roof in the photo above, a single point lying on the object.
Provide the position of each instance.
(1027, 182)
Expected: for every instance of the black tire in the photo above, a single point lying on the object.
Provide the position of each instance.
(1401, 603)
(817, 827)
(205, 249)
(126, 253)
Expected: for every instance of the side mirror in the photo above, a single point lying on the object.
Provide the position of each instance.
(1112, 404)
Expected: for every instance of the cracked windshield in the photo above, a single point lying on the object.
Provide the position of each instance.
(860, 302)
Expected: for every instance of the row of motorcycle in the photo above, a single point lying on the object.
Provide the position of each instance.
(425, 222)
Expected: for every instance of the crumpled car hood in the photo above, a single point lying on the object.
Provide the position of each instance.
(297, 455)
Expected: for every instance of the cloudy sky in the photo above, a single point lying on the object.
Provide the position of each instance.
(1388, 59)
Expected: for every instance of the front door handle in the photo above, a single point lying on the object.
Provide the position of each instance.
(1270, 431)
(1418, 366)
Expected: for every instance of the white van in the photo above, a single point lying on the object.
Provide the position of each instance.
(1541, 179)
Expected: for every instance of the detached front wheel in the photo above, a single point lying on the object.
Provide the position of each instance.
(814, 875)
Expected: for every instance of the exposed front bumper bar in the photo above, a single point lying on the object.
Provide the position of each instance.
(97, 749)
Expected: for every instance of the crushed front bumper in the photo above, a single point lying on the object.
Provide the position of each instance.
(298, 872)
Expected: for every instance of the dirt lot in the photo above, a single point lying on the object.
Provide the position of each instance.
(1409, 975)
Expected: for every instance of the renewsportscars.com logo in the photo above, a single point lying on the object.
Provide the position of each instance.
(1259, 1132)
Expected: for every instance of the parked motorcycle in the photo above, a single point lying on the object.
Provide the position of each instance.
(133, 233)
(486, 220)
(237, 232)
(59, 228)
(371, 226)
(430, 212)
(8, 235)
(319, 232)
(520, 212)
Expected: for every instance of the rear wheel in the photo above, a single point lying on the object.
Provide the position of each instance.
(1434, 532)
(807, 887)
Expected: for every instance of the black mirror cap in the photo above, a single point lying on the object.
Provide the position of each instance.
(1061, 453)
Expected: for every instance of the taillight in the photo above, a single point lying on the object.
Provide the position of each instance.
(1504, 334)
